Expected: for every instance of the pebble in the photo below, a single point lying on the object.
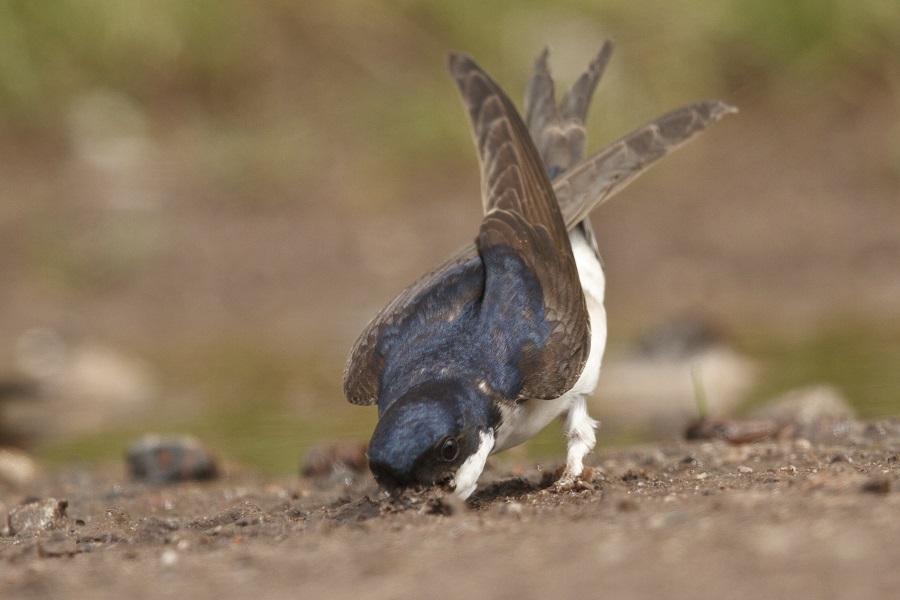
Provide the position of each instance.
(169, 557)
(744, 470)
(802, 444)
(804, 407)
(509, 508)
(627, 505)
(37, 516)
(514, 508)
(734, 431)
(168, 460)
(877, 485)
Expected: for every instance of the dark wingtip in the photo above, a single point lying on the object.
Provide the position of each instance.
(458, 62)
(577, 100)
(541, 60)
(604, 53)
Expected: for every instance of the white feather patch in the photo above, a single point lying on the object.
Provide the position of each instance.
(467, 475)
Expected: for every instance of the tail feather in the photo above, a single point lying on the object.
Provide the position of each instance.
(558, 130)
(575, 103)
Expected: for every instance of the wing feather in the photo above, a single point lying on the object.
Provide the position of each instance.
(504, 185)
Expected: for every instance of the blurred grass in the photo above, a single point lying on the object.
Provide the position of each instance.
(860, 359)
(51, 52)
(271, 441)
(371, 70)
(254, 404)
(263, 98)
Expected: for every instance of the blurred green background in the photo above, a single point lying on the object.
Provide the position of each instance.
(214, 198)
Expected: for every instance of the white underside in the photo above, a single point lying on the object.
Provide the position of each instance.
(523, 420)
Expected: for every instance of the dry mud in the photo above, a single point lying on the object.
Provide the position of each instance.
(774, 518)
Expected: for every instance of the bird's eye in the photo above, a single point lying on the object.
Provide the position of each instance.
(449, 449)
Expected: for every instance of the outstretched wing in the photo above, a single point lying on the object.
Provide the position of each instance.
(604, 174)
(523, 223)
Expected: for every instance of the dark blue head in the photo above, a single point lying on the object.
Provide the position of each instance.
(424, 436)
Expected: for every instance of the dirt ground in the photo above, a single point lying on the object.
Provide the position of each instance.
(775, 518)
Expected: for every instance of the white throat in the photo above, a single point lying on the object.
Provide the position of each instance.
(467, 475)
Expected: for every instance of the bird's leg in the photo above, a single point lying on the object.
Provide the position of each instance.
(580, 431)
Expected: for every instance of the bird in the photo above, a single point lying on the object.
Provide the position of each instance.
(508, 334)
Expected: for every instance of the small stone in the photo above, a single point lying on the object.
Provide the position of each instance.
(878, 485)
(734, 431)
(37, 516)
(169, 557)
(806, 406)
(169, 460)
(509, 508)
(879, 430)
(744, 470)
(627, 505)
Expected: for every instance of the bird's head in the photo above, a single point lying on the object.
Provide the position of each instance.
(433, 435)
